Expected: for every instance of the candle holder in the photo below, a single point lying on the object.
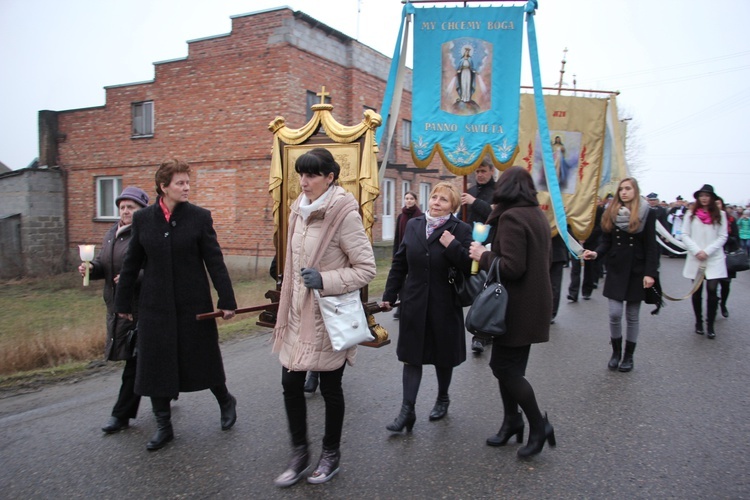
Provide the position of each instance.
(479, 234)
(87, 255)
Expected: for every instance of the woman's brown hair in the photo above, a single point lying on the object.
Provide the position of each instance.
(166, 171)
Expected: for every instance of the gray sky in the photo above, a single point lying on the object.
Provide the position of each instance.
(682, 67)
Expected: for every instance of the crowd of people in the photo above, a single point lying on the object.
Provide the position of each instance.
(158, 263)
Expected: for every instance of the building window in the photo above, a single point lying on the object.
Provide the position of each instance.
(143, 119)
(405, 187)
(424, 195)
(405, 134)
(312, 99)
(107, 191)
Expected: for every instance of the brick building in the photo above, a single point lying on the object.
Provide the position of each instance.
(212, 108)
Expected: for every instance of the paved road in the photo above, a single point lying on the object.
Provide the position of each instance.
(675, 427)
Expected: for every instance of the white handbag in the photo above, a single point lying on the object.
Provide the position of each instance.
(345, 319)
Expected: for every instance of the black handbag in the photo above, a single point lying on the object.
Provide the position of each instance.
(486, 316)
(737, 261)
(654, 295)
(466, 288)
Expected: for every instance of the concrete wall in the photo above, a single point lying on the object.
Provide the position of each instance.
(37, 195)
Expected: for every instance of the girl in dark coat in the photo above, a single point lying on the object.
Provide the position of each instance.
(107, 266)
(175, 244)
(431, 330)
(408, 212)
(632, 258)
(522, 242)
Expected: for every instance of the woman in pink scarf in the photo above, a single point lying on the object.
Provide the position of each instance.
(704, 233)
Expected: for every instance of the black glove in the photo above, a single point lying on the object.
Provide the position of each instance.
(312, 278)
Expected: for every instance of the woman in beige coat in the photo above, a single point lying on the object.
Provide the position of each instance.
(328, 250)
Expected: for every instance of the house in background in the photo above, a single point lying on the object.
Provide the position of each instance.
(212, 109)
(32, 222)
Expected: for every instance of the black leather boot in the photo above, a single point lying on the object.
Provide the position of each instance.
(512, 426)
(614, 361)
(228, 409)
(537, 440)
(406, 418)
(441, 407)
(712, 306)
(116, 425)
(164, 433)
(298, 465)
(627, 359)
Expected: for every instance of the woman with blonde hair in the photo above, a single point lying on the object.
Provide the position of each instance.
(632, 258)
(431, 330)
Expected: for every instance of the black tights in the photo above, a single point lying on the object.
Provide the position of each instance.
(712, 301)
(296, 405)
(412, 377)
(509, 367)
(160, 404)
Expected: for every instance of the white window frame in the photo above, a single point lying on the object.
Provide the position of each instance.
(405, 134)
(143, 119)
(388, 191)
(405, 186)
(108, 188)
(424, 195)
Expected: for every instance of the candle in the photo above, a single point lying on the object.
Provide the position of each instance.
(479, 234)
(87, 255)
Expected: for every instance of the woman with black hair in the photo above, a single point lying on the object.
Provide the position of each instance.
(327, 249)
(704, 233)
(522, 242)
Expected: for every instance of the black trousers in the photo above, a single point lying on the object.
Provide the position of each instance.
(556, 276)
(589, 278)
(127, 402)
(296, 405)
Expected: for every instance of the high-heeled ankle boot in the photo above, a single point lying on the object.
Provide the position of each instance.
(228, 409)
(627, 359)
(537, 440)
(441, 407)
(614, 361)
(164, 432)
(328, 466)
(298, 465)
(406, 418)
(512, 426)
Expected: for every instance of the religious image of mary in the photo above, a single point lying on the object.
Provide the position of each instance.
(465, 77)
(467, 74)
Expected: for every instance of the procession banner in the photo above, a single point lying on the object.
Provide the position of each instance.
(614, 166)
(467, 71)
(576, 131)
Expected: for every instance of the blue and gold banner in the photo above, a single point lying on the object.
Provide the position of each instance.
(467, 72)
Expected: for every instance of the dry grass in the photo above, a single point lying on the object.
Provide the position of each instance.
(53, 323)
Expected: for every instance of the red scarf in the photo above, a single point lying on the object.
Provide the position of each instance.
(408, 213)
(704, 216)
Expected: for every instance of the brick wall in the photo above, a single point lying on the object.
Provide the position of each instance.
(212, 109)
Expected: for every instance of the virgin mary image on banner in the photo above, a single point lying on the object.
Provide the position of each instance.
(467, 76)
(566, 146)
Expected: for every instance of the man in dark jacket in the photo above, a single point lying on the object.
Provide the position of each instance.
(478, 203)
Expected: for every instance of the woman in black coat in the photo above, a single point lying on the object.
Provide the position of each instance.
(431, 330)
(632, 258)
(522, 242)
(408, 212)
(175, 243)
(107, 266)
